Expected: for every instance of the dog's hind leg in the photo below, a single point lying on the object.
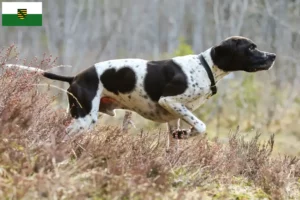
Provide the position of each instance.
(87, 121)
(172, 126)
(127, 121)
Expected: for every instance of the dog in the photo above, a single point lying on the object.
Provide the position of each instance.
(162, 91)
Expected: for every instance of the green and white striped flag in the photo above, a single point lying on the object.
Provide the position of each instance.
(22, 14)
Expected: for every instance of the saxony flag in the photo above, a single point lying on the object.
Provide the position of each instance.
(22, 14)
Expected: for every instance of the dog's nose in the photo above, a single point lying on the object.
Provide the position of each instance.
(272, 56)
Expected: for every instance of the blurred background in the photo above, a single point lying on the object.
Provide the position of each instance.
(81, 33)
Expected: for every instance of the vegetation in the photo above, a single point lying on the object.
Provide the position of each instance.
(108, 164)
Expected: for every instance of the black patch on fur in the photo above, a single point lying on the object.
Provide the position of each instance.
(122, 81)
(84, 87)
(164, 78)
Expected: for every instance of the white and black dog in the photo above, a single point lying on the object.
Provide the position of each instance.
(162, 91)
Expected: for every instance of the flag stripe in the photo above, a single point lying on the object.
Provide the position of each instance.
(12, 7)
(29, 20)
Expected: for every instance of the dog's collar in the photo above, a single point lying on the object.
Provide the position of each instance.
(213, 86)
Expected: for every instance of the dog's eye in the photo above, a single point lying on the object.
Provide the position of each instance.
(252, 47)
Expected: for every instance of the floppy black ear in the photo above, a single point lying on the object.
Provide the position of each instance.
(222, 55)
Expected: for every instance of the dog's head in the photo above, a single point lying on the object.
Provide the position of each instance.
(241, 54)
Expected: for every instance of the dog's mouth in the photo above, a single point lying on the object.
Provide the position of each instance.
(264, 61)
(262, 65)
(271, 66)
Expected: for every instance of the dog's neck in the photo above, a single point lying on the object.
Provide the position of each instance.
(217, 72)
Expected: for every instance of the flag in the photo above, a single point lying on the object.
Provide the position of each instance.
(22, 14)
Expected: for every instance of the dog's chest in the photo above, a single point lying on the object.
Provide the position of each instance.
(198, 89)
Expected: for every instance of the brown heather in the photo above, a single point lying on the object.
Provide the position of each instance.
(108, 164)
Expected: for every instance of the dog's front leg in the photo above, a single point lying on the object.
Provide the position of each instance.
(178, 109)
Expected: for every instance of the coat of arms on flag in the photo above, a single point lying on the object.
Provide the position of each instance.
(22, 13)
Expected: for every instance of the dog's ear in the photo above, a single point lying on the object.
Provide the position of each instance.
(222, 54)
(227, 47)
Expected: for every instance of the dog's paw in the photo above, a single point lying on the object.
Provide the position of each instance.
(181, 133)
(71, 130)
(186, 133)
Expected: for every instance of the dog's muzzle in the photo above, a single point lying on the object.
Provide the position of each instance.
(271, 58)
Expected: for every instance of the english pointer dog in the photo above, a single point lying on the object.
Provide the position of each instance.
(162, 91)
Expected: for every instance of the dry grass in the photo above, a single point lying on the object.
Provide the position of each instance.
(108, 164)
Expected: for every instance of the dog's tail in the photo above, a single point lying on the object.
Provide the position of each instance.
(49, 75)
(31, 69)
(52, 76)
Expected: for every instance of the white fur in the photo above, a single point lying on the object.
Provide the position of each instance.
(197, 74)
(218, 73)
